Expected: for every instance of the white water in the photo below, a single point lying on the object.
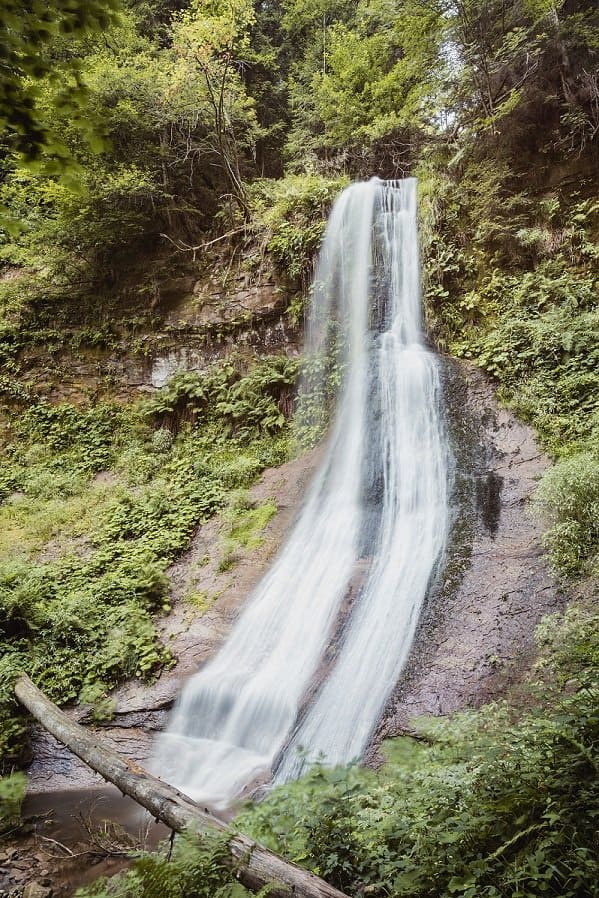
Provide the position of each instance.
(374, 524)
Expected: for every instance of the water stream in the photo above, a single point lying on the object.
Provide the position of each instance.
(319, 647)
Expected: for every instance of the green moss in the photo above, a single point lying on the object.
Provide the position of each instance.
(200, 601)
(247, 522)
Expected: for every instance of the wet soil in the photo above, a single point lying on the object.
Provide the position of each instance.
(72, 841)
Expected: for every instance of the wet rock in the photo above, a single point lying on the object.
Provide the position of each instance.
(174, 289)
(476, 635)
(198, 323)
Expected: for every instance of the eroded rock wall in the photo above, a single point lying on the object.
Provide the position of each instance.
(476, 636)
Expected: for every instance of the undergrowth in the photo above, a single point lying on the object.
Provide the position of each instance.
(289, 218)
(12, 794)
(486, 804)
(245, 522)
(196, 868)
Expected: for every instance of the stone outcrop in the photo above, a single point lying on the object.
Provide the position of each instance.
(197, 322)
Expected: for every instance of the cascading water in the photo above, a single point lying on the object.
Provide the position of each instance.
(374, 526)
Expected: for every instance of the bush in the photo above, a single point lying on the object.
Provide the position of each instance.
(12, 727)
(239, 402)
(289, 218)
(569, 494)
(12, 794)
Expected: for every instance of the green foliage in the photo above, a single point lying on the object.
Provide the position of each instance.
(200, 601)
(242, 403)
(289, 217)
(569, 655)
(102, 705)
(382, 75)
(211, 41)
(161, 100)
(367, 85)
(485, 804)
(30, 32)
(246, 522)
(306, 27)
(55, 448)
(544, 352)
(199, 867)
(78, 597)
(13, 730)
(12, 794)
(569, 494)
(529, 317)
(74, 230)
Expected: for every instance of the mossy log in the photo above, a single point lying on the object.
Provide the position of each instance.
(255, 865)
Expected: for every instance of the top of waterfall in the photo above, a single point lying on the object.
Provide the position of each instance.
(394, 182)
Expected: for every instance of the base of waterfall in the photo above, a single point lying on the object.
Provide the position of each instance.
(245, 769)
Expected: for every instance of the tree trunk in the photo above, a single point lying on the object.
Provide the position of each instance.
(255, 865)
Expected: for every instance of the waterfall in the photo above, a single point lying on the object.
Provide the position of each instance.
(314, 656)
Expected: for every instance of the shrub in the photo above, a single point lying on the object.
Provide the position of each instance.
(198, 867)
(240, 402)
(289, 217)
(569, 494)
(12, 794)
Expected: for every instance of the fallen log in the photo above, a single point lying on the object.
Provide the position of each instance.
(255, 866)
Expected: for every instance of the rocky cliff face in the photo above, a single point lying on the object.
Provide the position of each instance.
(476, 637)
(194, 321)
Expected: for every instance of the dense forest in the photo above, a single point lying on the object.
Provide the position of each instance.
(148, 145)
